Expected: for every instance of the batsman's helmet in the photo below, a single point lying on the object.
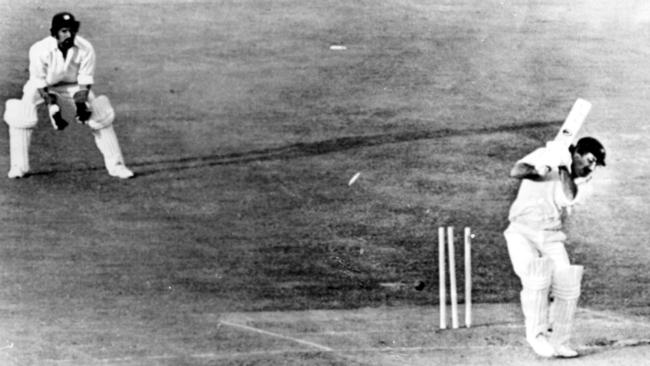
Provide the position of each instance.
(591, 145)
(64, 20)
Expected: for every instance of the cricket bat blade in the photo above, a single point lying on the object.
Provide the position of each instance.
(573, 121)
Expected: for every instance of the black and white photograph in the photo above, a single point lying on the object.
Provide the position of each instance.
(324, 182)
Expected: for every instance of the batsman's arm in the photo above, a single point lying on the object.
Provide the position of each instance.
(542, 161)
(535, 165)
(523, 170)
(569, 186)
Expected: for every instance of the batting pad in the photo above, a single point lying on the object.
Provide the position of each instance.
(534, 296)
(566, 282)
(566, 292)
(102, 113)
(20, 114)
(538, 274)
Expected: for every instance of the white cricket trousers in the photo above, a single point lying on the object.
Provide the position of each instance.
(526, 244)
(540, 260)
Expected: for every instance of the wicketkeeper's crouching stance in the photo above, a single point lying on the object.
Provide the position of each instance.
(61, 73)
(553, 178)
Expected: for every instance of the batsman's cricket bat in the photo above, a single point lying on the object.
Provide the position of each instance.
(573, 122)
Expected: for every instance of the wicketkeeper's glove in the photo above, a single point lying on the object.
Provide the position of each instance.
(81, 103)
(53, 110)
(47, 97)
(55, 117)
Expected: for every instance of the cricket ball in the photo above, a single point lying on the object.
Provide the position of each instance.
(418, 285)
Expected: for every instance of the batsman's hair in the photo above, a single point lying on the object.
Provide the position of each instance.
(64, 20)
(590, 145)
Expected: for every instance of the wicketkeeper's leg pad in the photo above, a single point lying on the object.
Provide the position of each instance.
(19, 141)
(108, 145)
(20, 113)
(103, 113)
(21, 116)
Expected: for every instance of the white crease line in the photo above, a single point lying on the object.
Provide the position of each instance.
(435, 331)
(614, 317)
(417, 349)
(261, 331)
(342, 351)
(349, 351)
(231, 355)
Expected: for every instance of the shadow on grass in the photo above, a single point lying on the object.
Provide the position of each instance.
(304, 149)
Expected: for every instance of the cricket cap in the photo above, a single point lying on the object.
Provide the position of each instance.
(64, 20)
(591, 145)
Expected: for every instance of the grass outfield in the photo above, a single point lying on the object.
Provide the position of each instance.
(244, 128)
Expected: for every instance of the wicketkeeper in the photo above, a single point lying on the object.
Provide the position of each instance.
(61, 74)
(553, 178)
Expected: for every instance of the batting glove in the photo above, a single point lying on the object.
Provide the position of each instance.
(558, 154)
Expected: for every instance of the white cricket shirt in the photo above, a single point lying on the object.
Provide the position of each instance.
(47, 67)
(539, 204)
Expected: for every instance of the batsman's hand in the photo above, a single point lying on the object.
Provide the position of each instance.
(558, 154)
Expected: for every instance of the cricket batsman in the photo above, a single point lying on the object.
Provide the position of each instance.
(553, 178)
(61, 75)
